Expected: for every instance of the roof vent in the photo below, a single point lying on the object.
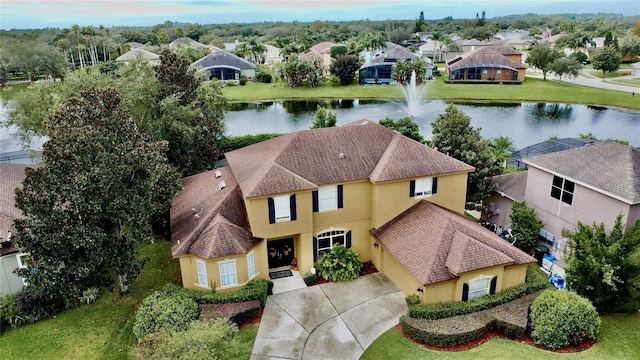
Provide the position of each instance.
(218, 173)
(196, 216)
(221, 185)
(341, 155)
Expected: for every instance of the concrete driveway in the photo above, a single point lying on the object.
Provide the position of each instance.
(328, 321)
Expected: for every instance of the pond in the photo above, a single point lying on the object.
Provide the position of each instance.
(525, 123)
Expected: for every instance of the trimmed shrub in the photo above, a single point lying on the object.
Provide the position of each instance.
(412, 300)
(509, 318)
(339, 264)
(236, 142)
(9, 312)
(256, 289)
(535, 281)
(164, 309)
(561, 318)
(211, 339)
(243, 80)
(309, 278)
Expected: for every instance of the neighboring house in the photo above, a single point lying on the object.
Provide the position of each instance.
(510, 188)
(188, 42)
(551, 39)
(589, 184)
(134, 44)
(463, 46)
(547, 147)
(11, 258)
(272, 55)
(397, 202)
(487, 64)
(139, 52)
(225, 66)
(380, 69)
(522, 44)
(320, 52)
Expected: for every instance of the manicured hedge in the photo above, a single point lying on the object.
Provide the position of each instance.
(231, 143)
(535, 281)
(509, 318)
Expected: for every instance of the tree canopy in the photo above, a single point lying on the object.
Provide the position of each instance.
(541, 56)
(606, 59)
(324, 118)
(453, 135)
(605, 268)
(404, 126)
(525, 225)
(92, 199)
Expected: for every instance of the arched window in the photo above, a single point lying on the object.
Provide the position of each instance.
(326, 240)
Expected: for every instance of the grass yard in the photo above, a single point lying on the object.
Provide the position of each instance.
(598, 73)
(102, 330)
(617, 340)
(532, 90)
(628, 82)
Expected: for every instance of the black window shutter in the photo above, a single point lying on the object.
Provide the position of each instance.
(272, 211)
(315, 249)
(494, 283)
(314, 195)
(348, 240)
(340, 201)
(292, 205)
(412, 188)
(465, 292)
(434, 185)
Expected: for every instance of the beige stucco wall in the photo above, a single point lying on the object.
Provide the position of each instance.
(451, 194)
(476, 275)
(258, 212)
(10, 283)
(189, 271)
(513, 275)
(588, 205)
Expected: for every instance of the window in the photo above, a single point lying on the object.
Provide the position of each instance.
(562, 189)
(228, 273)
(282, 208)
(485, 73)
(251, 265)
(202, 273)
(423, 187)
(327, 240)
(478, 288)
(327, 198)
(499, 73)
(23, 259)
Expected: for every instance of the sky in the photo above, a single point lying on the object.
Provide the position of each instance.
(37, 14)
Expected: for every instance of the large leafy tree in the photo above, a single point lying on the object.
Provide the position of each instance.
(541, 56)
(565, 66)
(525, 225)
(606, 59)
(605, 268)
(403, 70)
(453, 135)
(630, 46)
(345, 67)
(404, 126)
(91, 201)
(501, 148)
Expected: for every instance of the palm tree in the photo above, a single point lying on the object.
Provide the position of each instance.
(501, 148)
(76, 34)
(105, 32)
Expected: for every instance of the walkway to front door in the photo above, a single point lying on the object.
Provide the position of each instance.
(328, 321)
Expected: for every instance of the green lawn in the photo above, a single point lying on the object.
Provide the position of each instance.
(628, 82)
(102, 330)
(598, 73)
(617, 340)
(532, 90)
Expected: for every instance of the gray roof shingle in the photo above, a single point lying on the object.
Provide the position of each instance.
(223, 58)
(435, 244)
(512, 185)
(610, 167)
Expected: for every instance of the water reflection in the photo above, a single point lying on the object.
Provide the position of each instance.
(525, 123)
(554, 112)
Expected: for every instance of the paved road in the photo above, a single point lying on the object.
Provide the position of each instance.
(587, 80)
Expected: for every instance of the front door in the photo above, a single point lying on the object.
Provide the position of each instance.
(280, 252)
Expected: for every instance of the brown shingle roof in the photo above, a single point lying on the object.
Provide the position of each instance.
(435, 244)
(208, 221)
(11, 177)
(486, 58)
(502, 50)
(610, 167)
(356, 151)
(513, 185)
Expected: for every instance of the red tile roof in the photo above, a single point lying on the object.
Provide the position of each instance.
(435, 244)
(357, 151)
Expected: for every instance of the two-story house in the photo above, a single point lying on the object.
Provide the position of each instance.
(397, 202)
(590, 184)
(11, 257)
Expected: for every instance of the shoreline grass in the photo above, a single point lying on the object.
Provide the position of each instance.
(532, 90)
